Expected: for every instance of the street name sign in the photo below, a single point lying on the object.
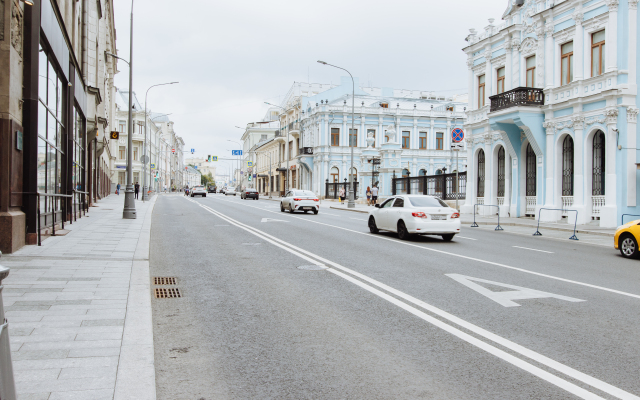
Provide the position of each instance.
(236, 152)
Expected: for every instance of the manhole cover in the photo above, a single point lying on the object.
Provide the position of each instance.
(167, 293)
(164, 281)
(312, 267)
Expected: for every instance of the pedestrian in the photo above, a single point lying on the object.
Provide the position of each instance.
(164, 188)
(374, 195)
(137, 189)
(341, 194)
(118, 189)
(368, 196)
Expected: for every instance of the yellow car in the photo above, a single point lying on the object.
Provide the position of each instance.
(626, 239)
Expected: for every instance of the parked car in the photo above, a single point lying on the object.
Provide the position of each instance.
(198, 191)
(415, 214)
(211, 189)
(626, 239)
(249, 193)
(300, 200)
(229, 191)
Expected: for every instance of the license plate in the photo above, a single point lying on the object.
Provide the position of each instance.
(438, 217)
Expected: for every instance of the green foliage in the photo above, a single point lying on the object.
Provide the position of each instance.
(207, 180)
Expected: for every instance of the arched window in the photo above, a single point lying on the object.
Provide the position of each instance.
(501, 172)
(335, 174)
(598, 165)
(481, 173)
(438, 172)
(422, 172)
(567, 166)
(531, 172)
(405, 173)
(355, 175)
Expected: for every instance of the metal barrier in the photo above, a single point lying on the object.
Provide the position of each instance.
(631, 215)
(53, 225)
(7, 383)
(575, 222)
(83, 202)
(475, 225)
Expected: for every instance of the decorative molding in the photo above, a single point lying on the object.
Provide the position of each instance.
(499, 61)
(470, 62)
(16, 27)
(564, 35)
(507, 43)
(598, 119)
(550, 127)
(612, 5)
(578, 121)
(633, 4)
(595, 24)
(480, 68)
(611, 115)
(564, 124)
(578, 17)
(632, 114)
(549, 28)
(528, 47)
(487, 54)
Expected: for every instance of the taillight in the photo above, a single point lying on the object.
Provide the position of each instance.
(297, 199)
(248, 193)
(455, 215)
(316, 200)
(419, 214)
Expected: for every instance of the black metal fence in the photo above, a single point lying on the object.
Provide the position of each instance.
(333, 189)
(444, 186)
(522, 96)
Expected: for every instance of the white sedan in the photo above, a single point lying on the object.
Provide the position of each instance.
(300, 200)
(230, 191)
(420, 215)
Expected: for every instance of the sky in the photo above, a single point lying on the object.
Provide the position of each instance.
(229, 57)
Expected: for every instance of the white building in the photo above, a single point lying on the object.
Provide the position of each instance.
(255, 134)
(192, 177)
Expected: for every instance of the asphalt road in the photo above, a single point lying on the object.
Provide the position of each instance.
(491, 315)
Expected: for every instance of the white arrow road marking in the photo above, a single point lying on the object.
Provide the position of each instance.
(506, 298)
(272, 220)
(527, 248)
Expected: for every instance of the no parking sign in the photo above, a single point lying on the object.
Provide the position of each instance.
(457, 135)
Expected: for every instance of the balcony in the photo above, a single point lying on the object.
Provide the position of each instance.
(305, 151)
(522, 96)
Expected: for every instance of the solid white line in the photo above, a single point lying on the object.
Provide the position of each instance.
(589, 285)
(596, 383)
(526, 248)
(464, 237)
(359, 219)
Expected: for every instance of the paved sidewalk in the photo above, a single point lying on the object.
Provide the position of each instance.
(79, 309)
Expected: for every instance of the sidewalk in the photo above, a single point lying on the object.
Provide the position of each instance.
(79, 309)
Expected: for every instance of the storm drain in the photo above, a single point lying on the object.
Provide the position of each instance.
(164, 281)
(167, 293)
(313, 267)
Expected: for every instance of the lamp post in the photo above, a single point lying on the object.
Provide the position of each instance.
(352, 192)
(144, 164)
(239, 166)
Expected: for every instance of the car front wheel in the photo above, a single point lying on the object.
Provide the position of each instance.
(281, 208)
(373, 228)
(629, 246)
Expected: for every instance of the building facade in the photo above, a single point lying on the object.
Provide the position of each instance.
(55, 99)
(254, 136)
(553, 111)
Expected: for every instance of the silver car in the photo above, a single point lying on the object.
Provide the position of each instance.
(300, 200)
(230, 191)
(198, 190)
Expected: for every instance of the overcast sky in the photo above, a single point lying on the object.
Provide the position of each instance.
(232, 56)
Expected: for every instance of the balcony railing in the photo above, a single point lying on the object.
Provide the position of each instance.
(522, 96)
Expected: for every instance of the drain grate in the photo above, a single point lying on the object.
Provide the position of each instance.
(167, 293)
(164, 281)
(313, 267)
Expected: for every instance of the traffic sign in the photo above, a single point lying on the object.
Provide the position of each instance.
(153, 166)
(457, 135)
(254, 176)
(173, 150)
(249, 164)
(115, 135)
(236, 152)
(144, 159)
(193, 151)
(214, 158)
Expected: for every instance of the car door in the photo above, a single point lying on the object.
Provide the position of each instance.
(395, 213)
(383, 214)
(285, 200)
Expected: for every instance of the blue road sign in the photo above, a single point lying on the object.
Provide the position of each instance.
(254, 175)
(457, 135)
(214, 158)
(193, 151)
(236, 152)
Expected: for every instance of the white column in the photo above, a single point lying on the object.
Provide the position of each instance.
(632, 131)
(633, 34)
(415, 135)
(506, 210)
(473, 102)
(362, 135)
(344, 137)
(549, 199)
(488, 77)
(470, 196)
(380, 133)
(612, 36)
(548, 49)
(489, 197)
(608, 213)
(431, 140)
(578, 171)
(578, 48)
(507, 65)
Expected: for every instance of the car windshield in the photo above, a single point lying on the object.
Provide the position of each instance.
(427, 201)
(304, 193)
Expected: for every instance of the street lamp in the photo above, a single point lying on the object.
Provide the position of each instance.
(352, 192)
(144, 164)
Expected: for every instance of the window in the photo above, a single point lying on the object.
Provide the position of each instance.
(335, 174)
(480, 192)
(567, 166)
(387, 203)
(481, 91)
(406, 136)
(500, 80)
(335, 136)
(122, 153)
(405, 173)
(439, 141)
(566, 72)
(121, 178)
(423, 140)
(598, 175)
(135, 154)
(597, 53)
(501, 172)
(425, 201)
(399, 202)
(122, 126)
(531, 172)
(422, 172)
(78, 166)
(291, 150)
(384, 105)
(353, 137)
(355, 175)
(531, 71)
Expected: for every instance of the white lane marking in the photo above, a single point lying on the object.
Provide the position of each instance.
(359, 219)
(526, 271)
(463, 237)
(527, 248)
(272, 220)
(594, 382)
(506, 298)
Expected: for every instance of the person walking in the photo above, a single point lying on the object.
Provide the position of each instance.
(137, 189)
(368, 196)
(118, 189)
(374, 195)
(341, 194)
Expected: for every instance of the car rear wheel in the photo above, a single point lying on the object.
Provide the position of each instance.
(448, 237)
(281, 208)
(629, 246)
(403, 233)
(315, 212)
(373, 228)
(290, 209)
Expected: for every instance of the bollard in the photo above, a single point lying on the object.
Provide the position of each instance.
(7, 384)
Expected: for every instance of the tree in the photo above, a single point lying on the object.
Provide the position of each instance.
(208, 180)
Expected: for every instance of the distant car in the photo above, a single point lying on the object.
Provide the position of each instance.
(198, 191)
(626, 239)
(415, 214)
(229, 191)
(249, 193)
(222, 190)
(300, 200)
(211, 189)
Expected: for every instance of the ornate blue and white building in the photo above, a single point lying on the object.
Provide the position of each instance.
(552, 119)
